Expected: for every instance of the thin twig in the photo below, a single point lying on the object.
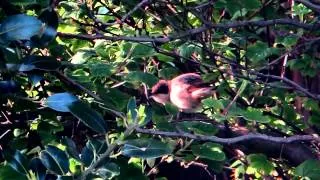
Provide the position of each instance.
(189, 33)
(250, 136)
(74, 83)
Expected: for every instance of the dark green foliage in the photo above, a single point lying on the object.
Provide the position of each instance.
(75, 81)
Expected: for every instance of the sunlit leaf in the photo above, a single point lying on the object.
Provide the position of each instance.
(60, 101)
(19, 27)
(209, 150)
(146, 148)
(260, 163)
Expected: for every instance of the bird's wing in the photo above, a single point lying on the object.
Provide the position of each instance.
(191, 79)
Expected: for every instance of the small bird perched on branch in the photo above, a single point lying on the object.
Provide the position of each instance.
(184, 91)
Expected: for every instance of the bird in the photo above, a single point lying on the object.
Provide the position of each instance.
(184, 91)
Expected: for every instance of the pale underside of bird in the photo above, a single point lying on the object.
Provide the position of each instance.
(184, 91)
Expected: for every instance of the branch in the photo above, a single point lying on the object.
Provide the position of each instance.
(63, 77)
(250, 136)
(188, 33)
(290, 83)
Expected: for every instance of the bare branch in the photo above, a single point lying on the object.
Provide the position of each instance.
(250, 136)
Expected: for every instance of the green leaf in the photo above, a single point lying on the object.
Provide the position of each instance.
(17, 161)
(168, 73)
(19, 27)
(108, 171)
(82, 56)
(50, 126)
(23, 2)
(60, 101)
(137, 50)
(251, 4)
(242, 87)
(101, 70)
(252, 114)
(71, 148)
(55, 160)
(38, 168)
(259, 51)
(198, 127)
(6, 172)
(87, 156)
(308, 169)
(48, 35)
(171, 109)
(97, 146)
(88, 116)
(144, 114)
(289, 113)
(138, 77)
(186, 50)
(260, 163)
(209, 150)
(132, 109)
(213, 103)
(146, 148)
(8, 86)
(287, 41)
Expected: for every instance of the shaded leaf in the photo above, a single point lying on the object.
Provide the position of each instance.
(8, 86)
(45, 63)
(38, 168)
(6, 172)
(17, 161)
(137, 50)
(198, 127)
(71, 148)
(141, 77)
(87, 156)
(88, 116)
(55, 160)
(171, 109)
(252, 114)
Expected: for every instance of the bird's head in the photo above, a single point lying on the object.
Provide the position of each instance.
(160, 92)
